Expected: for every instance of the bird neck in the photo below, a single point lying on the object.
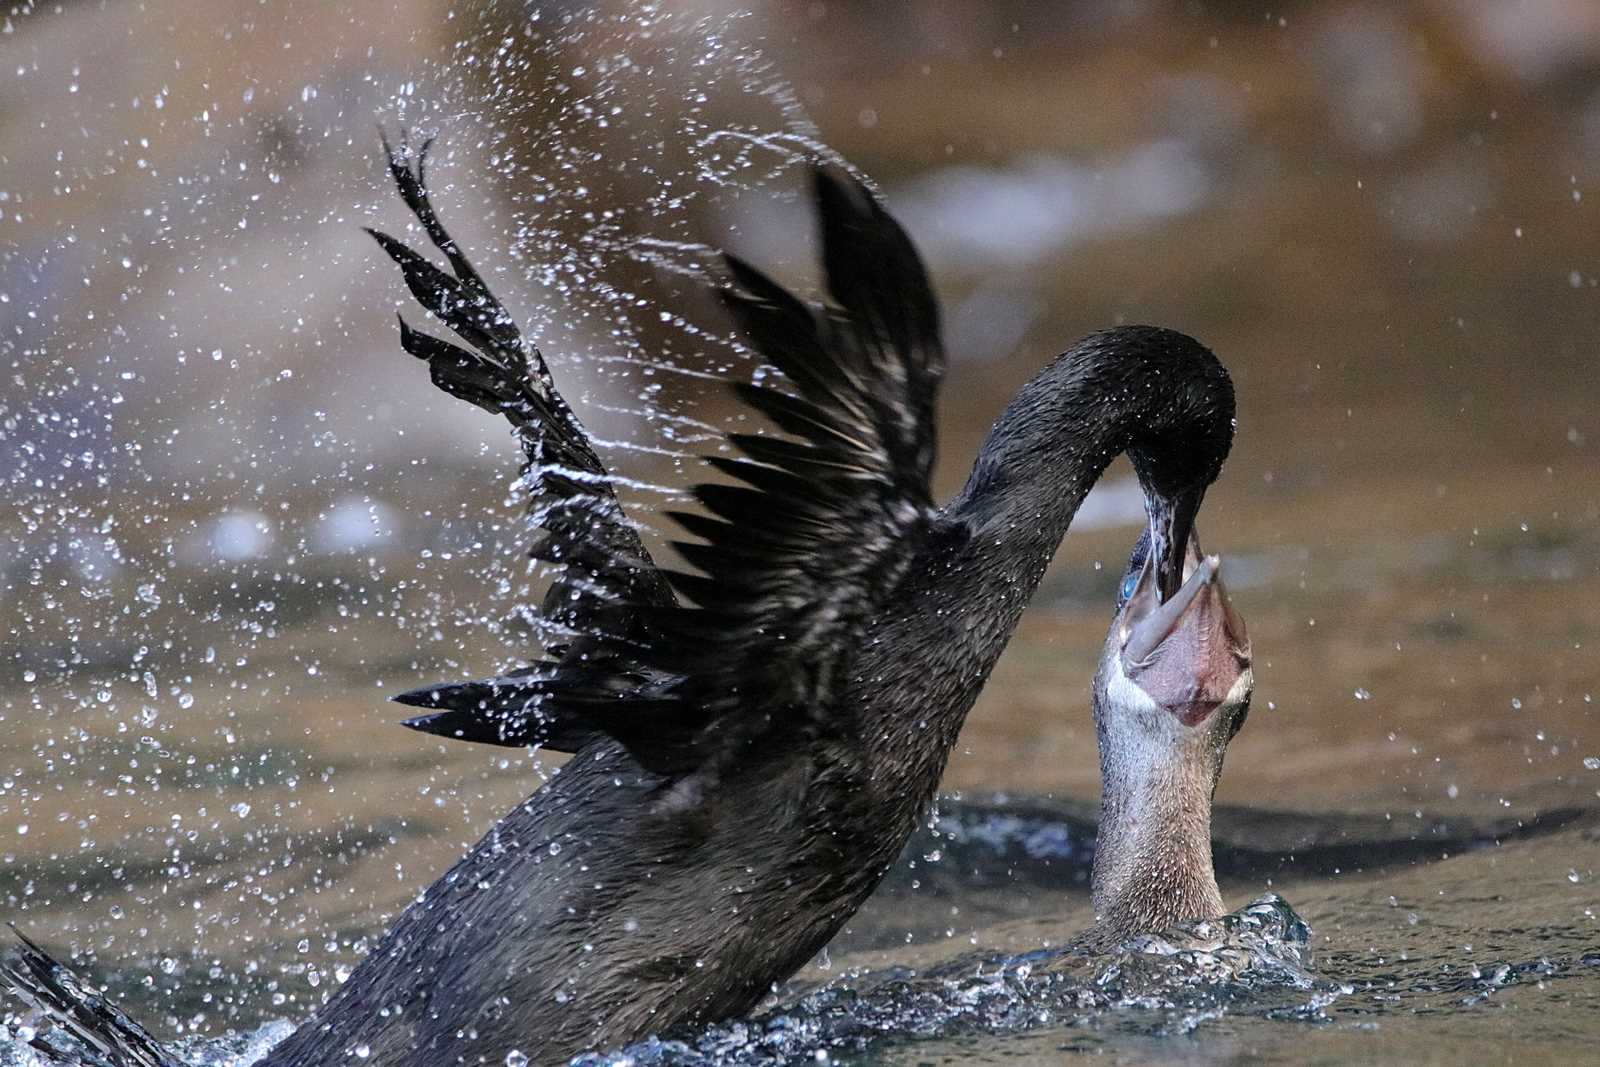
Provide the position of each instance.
(1155, 394)
(1039, 460)
(1152, 860)
(963, 597)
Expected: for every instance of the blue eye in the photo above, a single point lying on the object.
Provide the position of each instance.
(1128, 584)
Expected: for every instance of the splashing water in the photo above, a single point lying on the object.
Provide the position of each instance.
(1254, 960)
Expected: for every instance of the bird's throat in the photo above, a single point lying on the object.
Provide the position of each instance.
(1152, 863)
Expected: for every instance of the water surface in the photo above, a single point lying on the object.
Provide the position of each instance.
(237, 518)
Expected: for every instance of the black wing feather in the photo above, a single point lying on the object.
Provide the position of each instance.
(794, 560)
(585, 530)
(798, 561)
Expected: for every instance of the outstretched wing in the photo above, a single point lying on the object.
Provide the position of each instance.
(794, 560)
(797, 561)
(586, 533)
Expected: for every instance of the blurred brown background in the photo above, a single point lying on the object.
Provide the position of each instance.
(237, 516)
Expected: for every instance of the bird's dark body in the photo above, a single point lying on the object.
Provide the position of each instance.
(612, 904)
(745, 768)
(594, 913)
(608, 906)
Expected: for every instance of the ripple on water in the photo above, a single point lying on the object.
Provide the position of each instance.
(1419, 962)
(1255, 960)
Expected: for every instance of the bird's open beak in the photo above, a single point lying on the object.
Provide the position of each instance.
(1171, 523)
(1186, 651)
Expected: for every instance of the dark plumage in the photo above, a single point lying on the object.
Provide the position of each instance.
(753, 741)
